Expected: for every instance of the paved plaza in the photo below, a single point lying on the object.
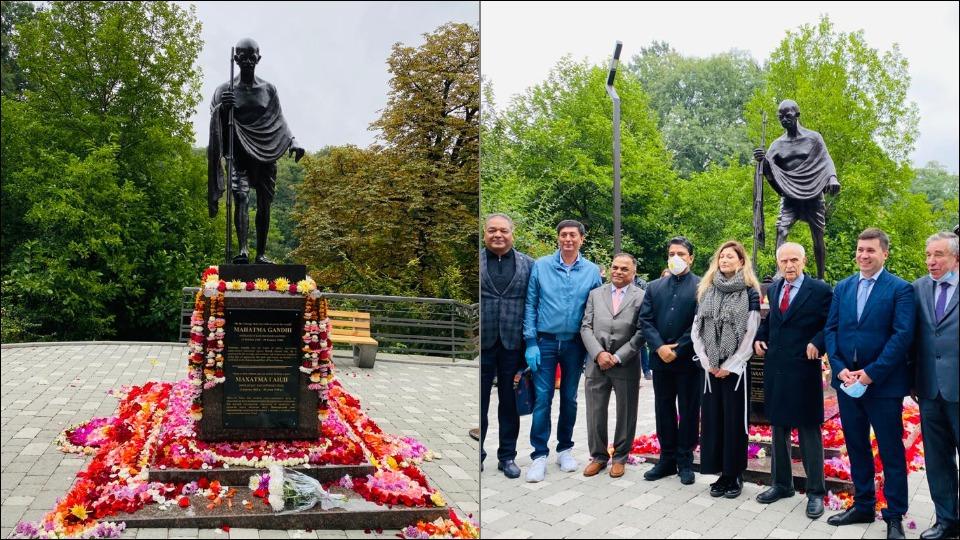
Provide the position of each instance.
(567, 505)
(49, 388)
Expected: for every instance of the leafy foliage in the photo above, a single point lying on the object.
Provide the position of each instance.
(699, 104)
(548, 157)
(103, 215)
(399, 217)
(941, 190)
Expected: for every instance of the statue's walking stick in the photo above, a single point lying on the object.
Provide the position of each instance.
(759, 237)
(230, 170)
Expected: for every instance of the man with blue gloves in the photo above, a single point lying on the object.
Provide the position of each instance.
(556, 295)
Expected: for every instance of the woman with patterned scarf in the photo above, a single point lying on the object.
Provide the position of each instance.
(728, 314)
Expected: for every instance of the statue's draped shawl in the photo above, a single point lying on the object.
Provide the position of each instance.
(265, 140)
(808, 180)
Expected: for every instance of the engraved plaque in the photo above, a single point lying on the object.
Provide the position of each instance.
(261, 354)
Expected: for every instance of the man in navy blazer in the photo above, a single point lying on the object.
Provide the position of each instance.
(935, 357)
(868, 334)
(504, 273)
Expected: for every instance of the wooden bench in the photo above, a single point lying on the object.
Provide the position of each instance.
(353, 328)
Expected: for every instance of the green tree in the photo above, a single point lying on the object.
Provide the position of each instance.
(940, 188)
(103, 215)
(401, 216)
(12, 14)
(699, 103)
(551, 159)
(856, 97)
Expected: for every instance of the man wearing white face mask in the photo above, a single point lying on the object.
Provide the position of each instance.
(666, 317)
(935, 357)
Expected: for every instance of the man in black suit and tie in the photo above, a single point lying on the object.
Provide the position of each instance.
(935, 358)
(791, 341)
(504, 273)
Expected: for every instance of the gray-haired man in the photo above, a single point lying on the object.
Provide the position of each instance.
(935, 357)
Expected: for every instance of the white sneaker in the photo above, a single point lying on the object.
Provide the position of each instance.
(537, 470)
(566, 461)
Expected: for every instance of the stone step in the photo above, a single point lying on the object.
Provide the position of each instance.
(358, 514)
(758, 471)
(240, 476)
(795, 451)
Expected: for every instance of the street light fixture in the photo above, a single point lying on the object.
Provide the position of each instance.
(612, 92)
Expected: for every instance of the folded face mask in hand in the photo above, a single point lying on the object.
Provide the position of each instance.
(854, 390)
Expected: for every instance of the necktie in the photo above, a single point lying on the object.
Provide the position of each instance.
(941, 306)
(862, 294)
(785, 302)
(616, 300)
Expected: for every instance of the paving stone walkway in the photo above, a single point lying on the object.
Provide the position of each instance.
(567, 505)
(46, 389)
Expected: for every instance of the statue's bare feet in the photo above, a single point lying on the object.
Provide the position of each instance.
(261, 259)
(242, 258)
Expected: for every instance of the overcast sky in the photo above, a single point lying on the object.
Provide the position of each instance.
(521, 42)
(327, 59)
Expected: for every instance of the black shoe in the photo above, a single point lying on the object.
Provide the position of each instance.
(815, 507)
(242, 258)
(734, 488)
(263, 260)
(718, 488)
(939, 530)
(850, 516)
(895, 528)
(773, 494)
(660, 470)
(509, 468)
(686, 476)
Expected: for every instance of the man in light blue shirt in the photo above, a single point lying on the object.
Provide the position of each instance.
(556, 295)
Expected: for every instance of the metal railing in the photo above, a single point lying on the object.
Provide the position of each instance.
(401, 324)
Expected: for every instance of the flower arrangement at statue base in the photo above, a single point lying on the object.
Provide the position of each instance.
(835, 467)
(154, 427)
(452, 527)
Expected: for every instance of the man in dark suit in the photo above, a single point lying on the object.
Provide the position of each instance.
(609, 333)
(504, 273)
(868, 334)
(791, 340)
(935, 357)
(666, 317)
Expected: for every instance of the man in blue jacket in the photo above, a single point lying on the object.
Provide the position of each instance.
(869, 332)
(556, 295)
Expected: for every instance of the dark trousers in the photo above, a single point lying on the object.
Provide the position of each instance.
(811, 451)
(569, 355)
(940, 422)
(503, 364)
(678, 437)
(723, 435)
(886, 417)
(645, 359)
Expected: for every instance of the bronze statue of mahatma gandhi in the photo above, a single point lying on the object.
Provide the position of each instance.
(799, 168)
(260, 136)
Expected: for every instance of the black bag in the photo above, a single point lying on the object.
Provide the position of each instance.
(524, 391)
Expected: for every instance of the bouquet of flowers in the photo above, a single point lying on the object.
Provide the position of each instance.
(288, 491)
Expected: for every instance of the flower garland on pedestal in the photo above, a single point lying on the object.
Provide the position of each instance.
(208, 328)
